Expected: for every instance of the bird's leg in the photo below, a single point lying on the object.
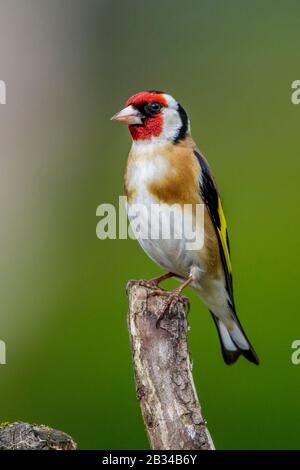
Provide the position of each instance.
(172, 297)
(153, 283)
(157, 280)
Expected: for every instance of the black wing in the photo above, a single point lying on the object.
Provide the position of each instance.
(211, 198)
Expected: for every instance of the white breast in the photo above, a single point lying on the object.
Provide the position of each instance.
(149, 167)
(166, 249)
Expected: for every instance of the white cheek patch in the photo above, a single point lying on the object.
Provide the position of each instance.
(171, 102)
(171, 124)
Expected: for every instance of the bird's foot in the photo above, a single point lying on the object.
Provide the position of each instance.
(176, 297)
(172, 299)
(150, 284)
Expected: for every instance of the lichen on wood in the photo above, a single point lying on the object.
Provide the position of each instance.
(25, 436)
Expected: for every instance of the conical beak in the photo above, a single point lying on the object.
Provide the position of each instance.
(129, 115)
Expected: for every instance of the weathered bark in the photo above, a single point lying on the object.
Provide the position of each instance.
(163, 377)
(24, 436)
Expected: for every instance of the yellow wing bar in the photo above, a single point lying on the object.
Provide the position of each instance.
(223, 235)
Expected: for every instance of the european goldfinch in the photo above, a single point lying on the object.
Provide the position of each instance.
(165, 167)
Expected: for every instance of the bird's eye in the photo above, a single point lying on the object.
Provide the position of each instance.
(154, 107)
(150, 109)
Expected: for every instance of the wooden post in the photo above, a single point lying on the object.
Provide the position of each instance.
(163, 377)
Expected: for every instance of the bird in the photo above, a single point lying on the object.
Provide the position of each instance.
(166, 169)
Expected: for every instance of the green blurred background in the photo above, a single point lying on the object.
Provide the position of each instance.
(69, 65)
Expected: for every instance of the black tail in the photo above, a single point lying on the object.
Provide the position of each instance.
(234, 343)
